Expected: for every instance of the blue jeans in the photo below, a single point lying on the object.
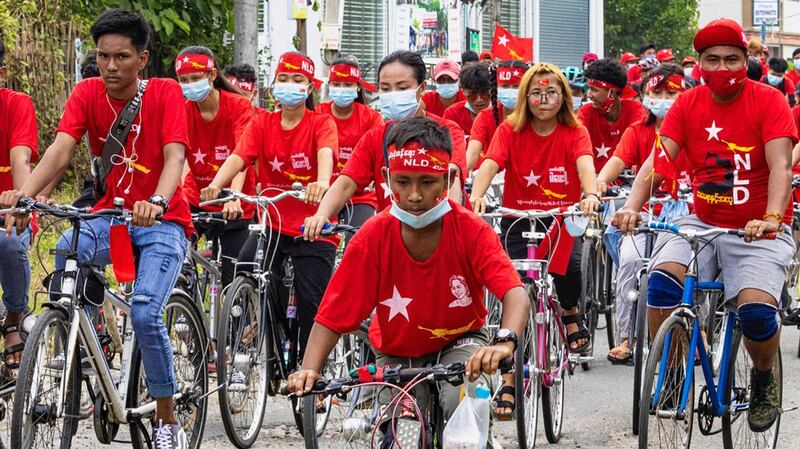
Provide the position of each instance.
(15, 270)
(161, 251)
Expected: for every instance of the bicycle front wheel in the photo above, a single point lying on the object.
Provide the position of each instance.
(589, 294)
(553, 395)
(187, 337)
(527, 386)
(736, 433)
(641, 346)
(662, 424)
(243, 369)
(35, 421)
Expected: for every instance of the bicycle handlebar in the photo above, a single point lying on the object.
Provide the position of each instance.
(209, 217)
(226, 195)
(28, 205)
(693, 234)
(566, 211)
(329, 229)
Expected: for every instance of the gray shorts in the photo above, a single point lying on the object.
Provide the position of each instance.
(759, 265)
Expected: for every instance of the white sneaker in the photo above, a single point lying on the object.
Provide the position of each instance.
(169, 436)
(238, 381)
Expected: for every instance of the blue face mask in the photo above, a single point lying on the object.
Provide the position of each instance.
(447, 90)
(196, 91)
(343, 96)
(659, 108)
(425, 219)
(399, 104)
(774, 80)
(576, 103)
(290, 95)
(576, 224)
(508, 97)
(469, 107)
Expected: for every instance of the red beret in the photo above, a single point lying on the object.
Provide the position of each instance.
(720, 32)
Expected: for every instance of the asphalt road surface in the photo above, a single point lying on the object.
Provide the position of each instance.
(596, 415)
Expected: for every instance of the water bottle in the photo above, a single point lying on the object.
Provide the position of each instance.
(291, 309)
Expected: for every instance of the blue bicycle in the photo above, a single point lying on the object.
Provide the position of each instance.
(669, 380)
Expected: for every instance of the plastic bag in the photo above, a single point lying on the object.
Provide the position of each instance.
(468, 428)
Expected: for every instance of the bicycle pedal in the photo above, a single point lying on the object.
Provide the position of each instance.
(407, 433)
(790, 409)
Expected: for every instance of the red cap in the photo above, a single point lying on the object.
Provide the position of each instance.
(720, 32)
(689, 60)
(590, 57)
(485, 55)
(447, 67)
(628, 57)
(664, 55)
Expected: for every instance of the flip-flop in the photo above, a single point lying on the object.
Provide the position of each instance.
(505, 390)
(627, 361)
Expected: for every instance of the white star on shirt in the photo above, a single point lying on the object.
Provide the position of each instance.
(602, 150)
(532, 179)
(276, 164)
(503, 40)
(713, 131)
(386, 191)
(199, 157)
(397, 305)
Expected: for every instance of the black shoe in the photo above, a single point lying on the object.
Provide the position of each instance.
(764, 401)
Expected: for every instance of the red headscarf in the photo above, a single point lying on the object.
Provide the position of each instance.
(297, 63)
(414, 158)
(346, 73)
(510, 75)
(193, 62)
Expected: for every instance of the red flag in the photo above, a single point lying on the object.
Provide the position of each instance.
(664, 166)
(506, 46)
(559, 255)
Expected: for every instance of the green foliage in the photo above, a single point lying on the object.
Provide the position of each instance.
(630, 23)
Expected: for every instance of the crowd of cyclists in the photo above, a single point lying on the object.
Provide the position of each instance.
(418, 174)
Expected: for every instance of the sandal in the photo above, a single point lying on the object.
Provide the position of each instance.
(11, 350)
(627, 360)
(510, 405)
(581, 334)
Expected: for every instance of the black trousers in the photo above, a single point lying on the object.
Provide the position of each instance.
(313, 266)
(355, 215)
(232, 236)
(568, 286)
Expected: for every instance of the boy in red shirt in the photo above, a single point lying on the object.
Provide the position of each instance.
(430, 260)
(18, 145)
(608, 115)
(737, 135)
(476, 83)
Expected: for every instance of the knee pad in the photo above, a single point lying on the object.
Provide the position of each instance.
(758, 320)
(664, 290)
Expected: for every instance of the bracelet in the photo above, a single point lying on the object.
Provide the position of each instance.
(591, 194)
(777, 215)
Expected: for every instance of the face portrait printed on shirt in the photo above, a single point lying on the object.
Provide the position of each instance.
(460, 291)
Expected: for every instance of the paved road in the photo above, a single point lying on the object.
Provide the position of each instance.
(597, 413)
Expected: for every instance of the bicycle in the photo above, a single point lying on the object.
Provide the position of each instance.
(361, 431)
(669, 377)
(258, 335)
(543, 357)
(48, 390)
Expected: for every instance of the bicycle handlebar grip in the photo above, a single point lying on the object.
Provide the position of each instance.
(224, 193)
(769, 236)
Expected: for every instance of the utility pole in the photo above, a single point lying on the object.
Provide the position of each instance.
(245, 32)
(300, 14)
(495, 13)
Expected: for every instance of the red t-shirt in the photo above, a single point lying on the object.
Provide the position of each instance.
(794, 76)
(459, 113)
(211, 143)
(420, 307)
(17, 128)
(350, 131)
(483, 129)
(161, 121)
(634, 75)
(724, 144)
(367, 160)
(606, 135)
(285, 157)
(433, 102)
(796, 115)
(540, 170)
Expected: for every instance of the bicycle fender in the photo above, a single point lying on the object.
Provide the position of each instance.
(56, 306)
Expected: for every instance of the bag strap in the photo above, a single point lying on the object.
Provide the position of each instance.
(388, 128)
(118, 134)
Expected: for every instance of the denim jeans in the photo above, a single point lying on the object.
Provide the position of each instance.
(15, 270)
(161, 249)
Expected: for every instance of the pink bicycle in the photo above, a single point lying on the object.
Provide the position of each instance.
(543, 358)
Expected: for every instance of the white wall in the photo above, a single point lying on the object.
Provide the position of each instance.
(716, 9)
(282, 28)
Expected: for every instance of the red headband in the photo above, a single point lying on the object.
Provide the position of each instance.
(509, 75)
(346, 73)
(297, 63)
(191, 63)
(674, 83)
(243, 85)
(415, 158)
(604, 85)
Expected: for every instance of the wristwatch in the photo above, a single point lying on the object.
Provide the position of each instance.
(504, 335)
(158, 200)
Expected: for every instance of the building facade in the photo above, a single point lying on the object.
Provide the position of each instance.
(782, 36)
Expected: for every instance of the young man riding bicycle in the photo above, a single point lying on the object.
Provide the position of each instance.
(144, 171)
(738, 136)
(406, 261)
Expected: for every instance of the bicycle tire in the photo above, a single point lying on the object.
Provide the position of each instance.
(640, 349)
(588, 293)
(672, 326)
(716, 327)
(527, 386)
(553, 396)
(242, 300)
(183, 320)
(609, 301)
(20, 433)
(736, 432)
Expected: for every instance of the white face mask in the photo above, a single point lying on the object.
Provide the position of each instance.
(424, 219)
(797, 64)
(687, 72)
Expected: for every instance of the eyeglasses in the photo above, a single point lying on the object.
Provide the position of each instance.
(472, 96)
(549, 96)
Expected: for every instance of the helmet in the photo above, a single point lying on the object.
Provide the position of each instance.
(575, 77)
(628, 57)
(648, 62)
